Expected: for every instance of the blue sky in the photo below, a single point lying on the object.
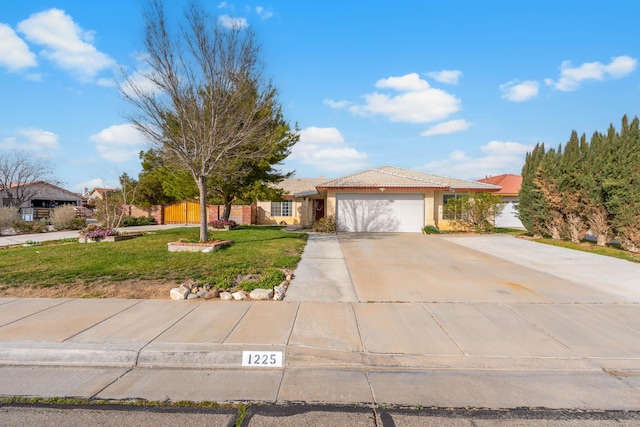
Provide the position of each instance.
(458, 88)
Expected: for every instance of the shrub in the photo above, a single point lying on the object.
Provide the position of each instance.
(78, 223)
(431, 229)
(130, 221)
(8, 216)
(326, 225)
(39, 226)
(62, 217)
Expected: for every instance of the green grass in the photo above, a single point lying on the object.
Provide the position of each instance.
(254, 250)
(587, 246)
(512, 231)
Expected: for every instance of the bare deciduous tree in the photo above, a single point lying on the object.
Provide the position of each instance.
(208, 102)
(17, 172)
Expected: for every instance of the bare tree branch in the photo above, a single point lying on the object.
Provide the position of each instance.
(209, 103)
(17, 172)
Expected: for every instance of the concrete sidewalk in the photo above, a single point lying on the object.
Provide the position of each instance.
(447, 354)
(19, 239)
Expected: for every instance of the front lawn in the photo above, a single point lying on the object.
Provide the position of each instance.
(146, 259)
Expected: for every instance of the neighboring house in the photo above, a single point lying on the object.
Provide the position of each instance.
(386, 199)
(510, 188)
(99, 194)
(42, 196)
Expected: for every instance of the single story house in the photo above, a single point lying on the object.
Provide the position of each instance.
(385, 199)
(40, 197)
(510, 184)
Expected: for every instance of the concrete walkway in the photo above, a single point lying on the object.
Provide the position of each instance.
(322, 275)
(507, 351)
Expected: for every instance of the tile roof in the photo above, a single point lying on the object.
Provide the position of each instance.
(300, 186)
(392, 177)
(510, 183)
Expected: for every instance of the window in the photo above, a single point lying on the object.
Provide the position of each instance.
(451, 207)
(282, 208)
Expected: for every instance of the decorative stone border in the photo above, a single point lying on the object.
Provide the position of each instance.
(197, 247)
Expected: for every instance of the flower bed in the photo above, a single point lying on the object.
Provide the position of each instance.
(87, 239)
(197, 247)
(220, 225)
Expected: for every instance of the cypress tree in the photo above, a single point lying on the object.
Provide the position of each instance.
(593, 194)
(531, 203)
(625, 192)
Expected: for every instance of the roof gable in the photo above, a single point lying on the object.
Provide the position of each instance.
(300, 187)
(510, 183)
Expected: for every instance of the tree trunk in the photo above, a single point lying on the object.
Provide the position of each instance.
(228, 201)
(202, 186)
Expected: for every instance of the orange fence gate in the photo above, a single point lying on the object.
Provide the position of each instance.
(182, 213)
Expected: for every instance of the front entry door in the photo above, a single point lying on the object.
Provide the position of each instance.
(318, 209)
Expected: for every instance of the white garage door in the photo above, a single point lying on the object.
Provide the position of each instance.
(384, 212)
(509, 216)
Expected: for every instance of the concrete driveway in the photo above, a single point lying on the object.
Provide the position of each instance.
(407, 267)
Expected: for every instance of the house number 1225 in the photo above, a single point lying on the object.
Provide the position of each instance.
(262, 358)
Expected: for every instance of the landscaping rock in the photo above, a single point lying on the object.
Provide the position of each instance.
(261, 294)
(212, 294)
(202, 293)
(184, 290)
(176, 294)
(226, 295)
(240, 295)
(192, 296)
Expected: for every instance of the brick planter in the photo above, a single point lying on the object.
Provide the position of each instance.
(197, 247)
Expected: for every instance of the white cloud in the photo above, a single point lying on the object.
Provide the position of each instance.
(571, 77)
(336, 104)
(497, 157)
(417, 102)
(262, 13)
(232, 22)
(446, 128)
(621, 66)
(321, 135)
(14, 52)
(31, 139)
(140, 79)
(118, 143)
(325, 150)
(520, 91)
(446, 76)
(65, 43)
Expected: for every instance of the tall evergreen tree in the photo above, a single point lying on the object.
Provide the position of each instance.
(531, 205)
(624, 204)
(593, 194)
